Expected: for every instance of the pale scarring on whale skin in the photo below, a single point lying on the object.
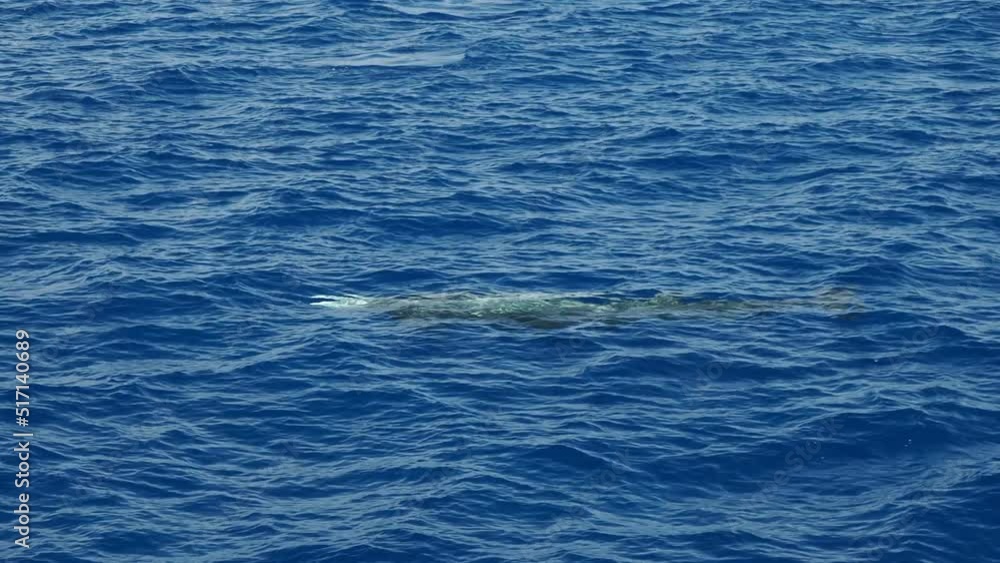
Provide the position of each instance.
(556, 310)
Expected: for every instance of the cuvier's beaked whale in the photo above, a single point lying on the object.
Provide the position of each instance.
(547, 310)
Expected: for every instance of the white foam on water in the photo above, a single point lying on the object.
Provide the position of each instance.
(341, 301)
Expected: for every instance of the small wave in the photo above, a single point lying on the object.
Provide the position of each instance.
(402, 60)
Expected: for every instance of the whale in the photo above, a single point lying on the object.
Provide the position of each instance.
(556, 310)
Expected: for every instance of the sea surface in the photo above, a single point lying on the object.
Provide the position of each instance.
(179, 179)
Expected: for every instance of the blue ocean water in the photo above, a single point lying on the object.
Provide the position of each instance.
(180, 178)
